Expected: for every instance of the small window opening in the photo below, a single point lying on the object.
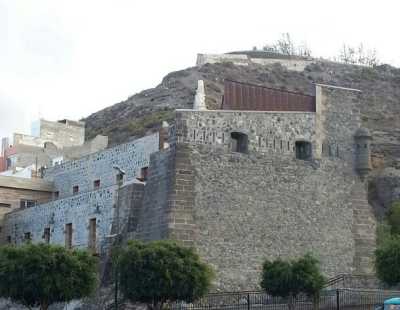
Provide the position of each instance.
(303, 150)
(46, 235)
(143, 174)
(5, 205)
(8, 239)
(92, 235)
(24, 203)
(239, 142)
(27, 237)
(75, 189)
(68, 235)
(96, 184)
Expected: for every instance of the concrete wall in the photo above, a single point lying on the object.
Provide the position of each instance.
(130, 157)
(245, 60)
(67, 133)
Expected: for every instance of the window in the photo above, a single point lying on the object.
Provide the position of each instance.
(68, 235)
(46, 235)
(143, 174)
(75, 190)
(92, 235)
(120, 178)
(303, 150)
(5, 205)
(96, 184)
(27, 237)
(8, 239)
(239, 142)
(24, 203)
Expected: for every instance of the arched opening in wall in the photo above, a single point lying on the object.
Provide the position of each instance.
(303, 150)
(239, 142)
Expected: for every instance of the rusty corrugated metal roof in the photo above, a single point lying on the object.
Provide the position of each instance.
(249, 97)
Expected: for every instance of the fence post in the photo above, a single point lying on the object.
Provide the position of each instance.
(248, 301)
(337, 299)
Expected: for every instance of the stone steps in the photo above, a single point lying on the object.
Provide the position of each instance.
(364, 230)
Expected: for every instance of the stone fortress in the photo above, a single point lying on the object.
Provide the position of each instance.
(271, 174)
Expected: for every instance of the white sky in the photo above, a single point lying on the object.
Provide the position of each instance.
(70, 58)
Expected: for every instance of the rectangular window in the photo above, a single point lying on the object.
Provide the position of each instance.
(24, 203)
(96, 184)
(27, 237)
(68, 235)
(5, 205)
(46, 235)
(75, 190)
(143, 174)
(92, 235)
(8, 239)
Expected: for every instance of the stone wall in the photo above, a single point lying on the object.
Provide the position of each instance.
(130, 157)
(295, 64)
(248, 208)
(239, 209)
(112, 209)
(77, 210)
(268, 132)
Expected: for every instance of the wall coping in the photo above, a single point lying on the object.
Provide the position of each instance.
(33, 184)
(245, 111)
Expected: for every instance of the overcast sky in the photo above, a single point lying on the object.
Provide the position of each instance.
(68, 59)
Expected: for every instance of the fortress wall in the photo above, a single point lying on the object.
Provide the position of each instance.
(268, 132)
(248, 208)
(244, 60)
(77, 210)
(267, 203)
(130, 157)
(152, 221)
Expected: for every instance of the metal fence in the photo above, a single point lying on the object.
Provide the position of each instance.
(329, 299)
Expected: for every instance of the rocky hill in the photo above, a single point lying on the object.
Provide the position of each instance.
(144, 111)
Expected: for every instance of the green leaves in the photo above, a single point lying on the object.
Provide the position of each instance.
(387, 261)
(162, 271)
(42, 274)
(290, 278)
(393, 218)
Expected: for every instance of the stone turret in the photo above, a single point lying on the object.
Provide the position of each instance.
(200, 98)
(363, 139)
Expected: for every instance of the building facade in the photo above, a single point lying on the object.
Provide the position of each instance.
(272, 174)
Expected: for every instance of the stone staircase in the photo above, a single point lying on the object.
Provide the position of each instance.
(364, 230)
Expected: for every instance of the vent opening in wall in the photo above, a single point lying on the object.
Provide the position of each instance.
(239, 142)
(303, 150)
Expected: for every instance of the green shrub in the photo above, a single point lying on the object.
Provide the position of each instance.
(160, 272)
(40, 275)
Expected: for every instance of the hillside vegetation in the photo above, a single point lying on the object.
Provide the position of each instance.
(143, 112)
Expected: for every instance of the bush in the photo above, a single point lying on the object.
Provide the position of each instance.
(387, 261)
(290, 278)
(393, 218)
(160, 272)
(40, 275)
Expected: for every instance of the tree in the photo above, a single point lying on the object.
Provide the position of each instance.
(387, 261)
(358, 56)
(286, 46)
(291, 278)
(41, 274)
(160, 272)
(393, 218)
